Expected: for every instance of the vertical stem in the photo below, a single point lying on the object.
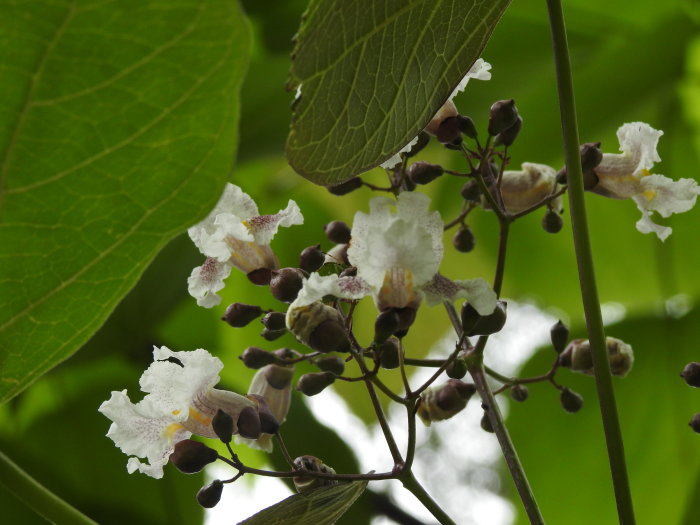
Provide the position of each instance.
(584, 258)
(37, 497)
(411, 484)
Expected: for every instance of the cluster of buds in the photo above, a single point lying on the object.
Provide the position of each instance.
(577, 356)
(691, 375)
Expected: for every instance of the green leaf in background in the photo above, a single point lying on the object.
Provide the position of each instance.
(373, 73)
(118, 131)
(320, 507)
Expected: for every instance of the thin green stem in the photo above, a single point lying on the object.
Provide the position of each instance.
(584, 258)
(37, 497)
(411, 484)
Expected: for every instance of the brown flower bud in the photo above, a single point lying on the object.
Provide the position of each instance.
(559, 335)
(422, 172)
(519, 393)
(570, 400)
(268, 421)
(444, 401)
(691, 374)
(485, 324)
(274, 321)
(385, 325)
(346, 187)
(508, 136)
(222, 424)
(578, 357)
(464, 240)
(311, 258)
(388, 353)
(470, 191)
(254, 357)
(286, 283)
(315, 382)
(191, 456)
(695, 423)
(466, 126)
(591, 155)
(448, 131)
(337, 232)
(319, 326)
(239, 314)
(261, 276)
(249, 423)
(552, 222)
(209, 495)
(503, 114)
(447, 110)
(485, 423)
(457, 369)
(330, 363)
(272, 335)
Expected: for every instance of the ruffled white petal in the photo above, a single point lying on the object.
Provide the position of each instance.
(393, 161)
(410, 239)
(477, 291)
(639, 140)
(137, 431)
(264, 227)
(316, 287)
(480, 70)
(667, 196)
(206, 280)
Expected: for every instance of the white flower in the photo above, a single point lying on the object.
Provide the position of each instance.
(180, 401)
(397, 256)
(627, 176)
(480, 70)
(234, 235)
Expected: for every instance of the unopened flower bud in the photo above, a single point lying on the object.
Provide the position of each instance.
(466, 126)
(261, 276)
(385, 325)
(485, 423)
(222, 424)
(559, 335)
(346, 187)
(519, 393)
(695, 423)
(277, 376)
(422, 172)
(239, 314)
(485, 324)
(570, 400)
(249, 423)
(448, 132)
(578, 357)
(337, 232)
(407, 315)
(191, 456)
(591, 155)
(271, 335)
(691, 374)
(444, 401)
(330, 363)
(209, 495)
(315, 382)
(311, 258)
(254, 357)
(311, 464)
(319, 326)
(508, 136)
(268, 421)
(447, 110)
(463, 240)
(389, 353)
(286, 283)
(552, 222)
(274, 321)
(457, 369)
(470, 191)
(502, 115)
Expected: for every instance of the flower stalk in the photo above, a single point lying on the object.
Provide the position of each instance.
(584, 258)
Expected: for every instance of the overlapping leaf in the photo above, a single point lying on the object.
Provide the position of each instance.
(371, 74)
(118, 128)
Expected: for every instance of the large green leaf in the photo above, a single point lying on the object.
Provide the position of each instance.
(118, 130)
(373, 73)
(320, 507)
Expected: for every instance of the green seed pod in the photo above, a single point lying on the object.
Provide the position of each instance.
(570, 400)
(191, 456)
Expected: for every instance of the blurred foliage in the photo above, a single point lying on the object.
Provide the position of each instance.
(632, 61)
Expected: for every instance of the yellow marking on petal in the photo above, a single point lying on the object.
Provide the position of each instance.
(645, 172)
(176, 412)
(199, 417)
(649, 194)
(171, 429)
